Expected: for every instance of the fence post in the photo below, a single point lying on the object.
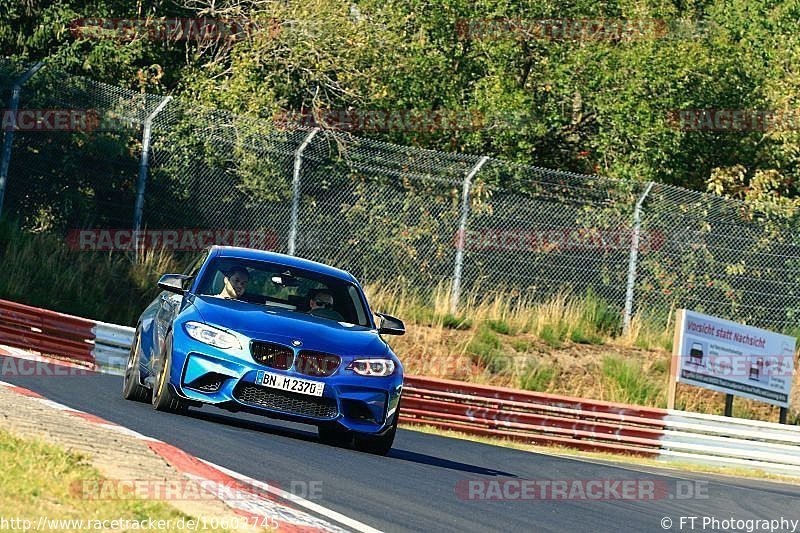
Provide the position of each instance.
(298, 161)
(144, 162)
(461, 236)
(5, 158)
(637, 223)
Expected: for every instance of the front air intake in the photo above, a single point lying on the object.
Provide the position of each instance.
(207, 383)
(286, 402)
(272, 355)
(312, 363)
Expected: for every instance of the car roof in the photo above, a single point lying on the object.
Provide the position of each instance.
(281, 259)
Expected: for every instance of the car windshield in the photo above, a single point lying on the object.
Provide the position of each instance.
(272, 284)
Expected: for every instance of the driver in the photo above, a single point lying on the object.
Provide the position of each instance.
(235, 283)
(321, 304)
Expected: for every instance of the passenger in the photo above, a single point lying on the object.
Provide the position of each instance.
(321, 304)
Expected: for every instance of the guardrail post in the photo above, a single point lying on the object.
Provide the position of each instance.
(144, 162)
(460, 238)
(5, 157)
(637, 223)
(298, 161)
(729, 405)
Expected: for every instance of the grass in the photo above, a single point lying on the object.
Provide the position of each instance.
(553, 335)
(499, 326)
(522, 345)
(560, 317)
(649, 333)
(627, 382)
(486, 349)
(538, 376)
(39, 479)
(579, 336)
(456, 322)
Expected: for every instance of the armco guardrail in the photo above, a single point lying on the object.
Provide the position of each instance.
(532, 417)
(601, 426)
(112, 344)
(97, 344)
(23, 326)
(524, 416)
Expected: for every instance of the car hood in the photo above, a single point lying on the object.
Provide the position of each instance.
(280, 325)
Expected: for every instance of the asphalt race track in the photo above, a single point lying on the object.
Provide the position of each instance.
(414, 488)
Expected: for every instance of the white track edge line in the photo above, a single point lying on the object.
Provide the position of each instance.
(311, 506)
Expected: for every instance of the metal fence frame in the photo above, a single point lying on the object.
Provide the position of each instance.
(465, 177)
(8, 136)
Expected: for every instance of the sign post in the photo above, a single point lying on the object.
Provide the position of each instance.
(728, 405)
(731, 358)
(674, 366)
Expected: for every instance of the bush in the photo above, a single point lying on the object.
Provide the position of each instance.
(538, 376)
(627, 383)
(485, 349)
(499, 326)
(455, 322)
(599, 317)
(579, 336)
(553, 334)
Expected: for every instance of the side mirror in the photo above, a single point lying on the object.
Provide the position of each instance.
(173, 283)
(390, 325)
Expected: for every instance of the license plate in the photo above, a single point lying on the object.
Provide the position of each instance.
(288, 383)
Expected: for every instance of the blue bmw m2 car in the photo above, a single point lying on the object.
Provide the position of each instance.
(249, 330)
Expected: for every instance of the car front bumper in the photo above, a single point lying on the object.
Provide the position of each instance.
(230, 379)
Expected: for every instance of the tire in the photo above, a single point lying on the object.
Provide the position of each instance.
(131, 388)
(377, 445)
(163, 397)
(334, 435)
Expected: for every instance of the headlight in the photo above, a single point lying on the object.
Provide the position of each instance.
(211, 335)
(372, 367)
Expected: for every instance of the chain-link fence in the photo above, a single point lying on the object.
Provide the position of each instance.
(398, 214)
